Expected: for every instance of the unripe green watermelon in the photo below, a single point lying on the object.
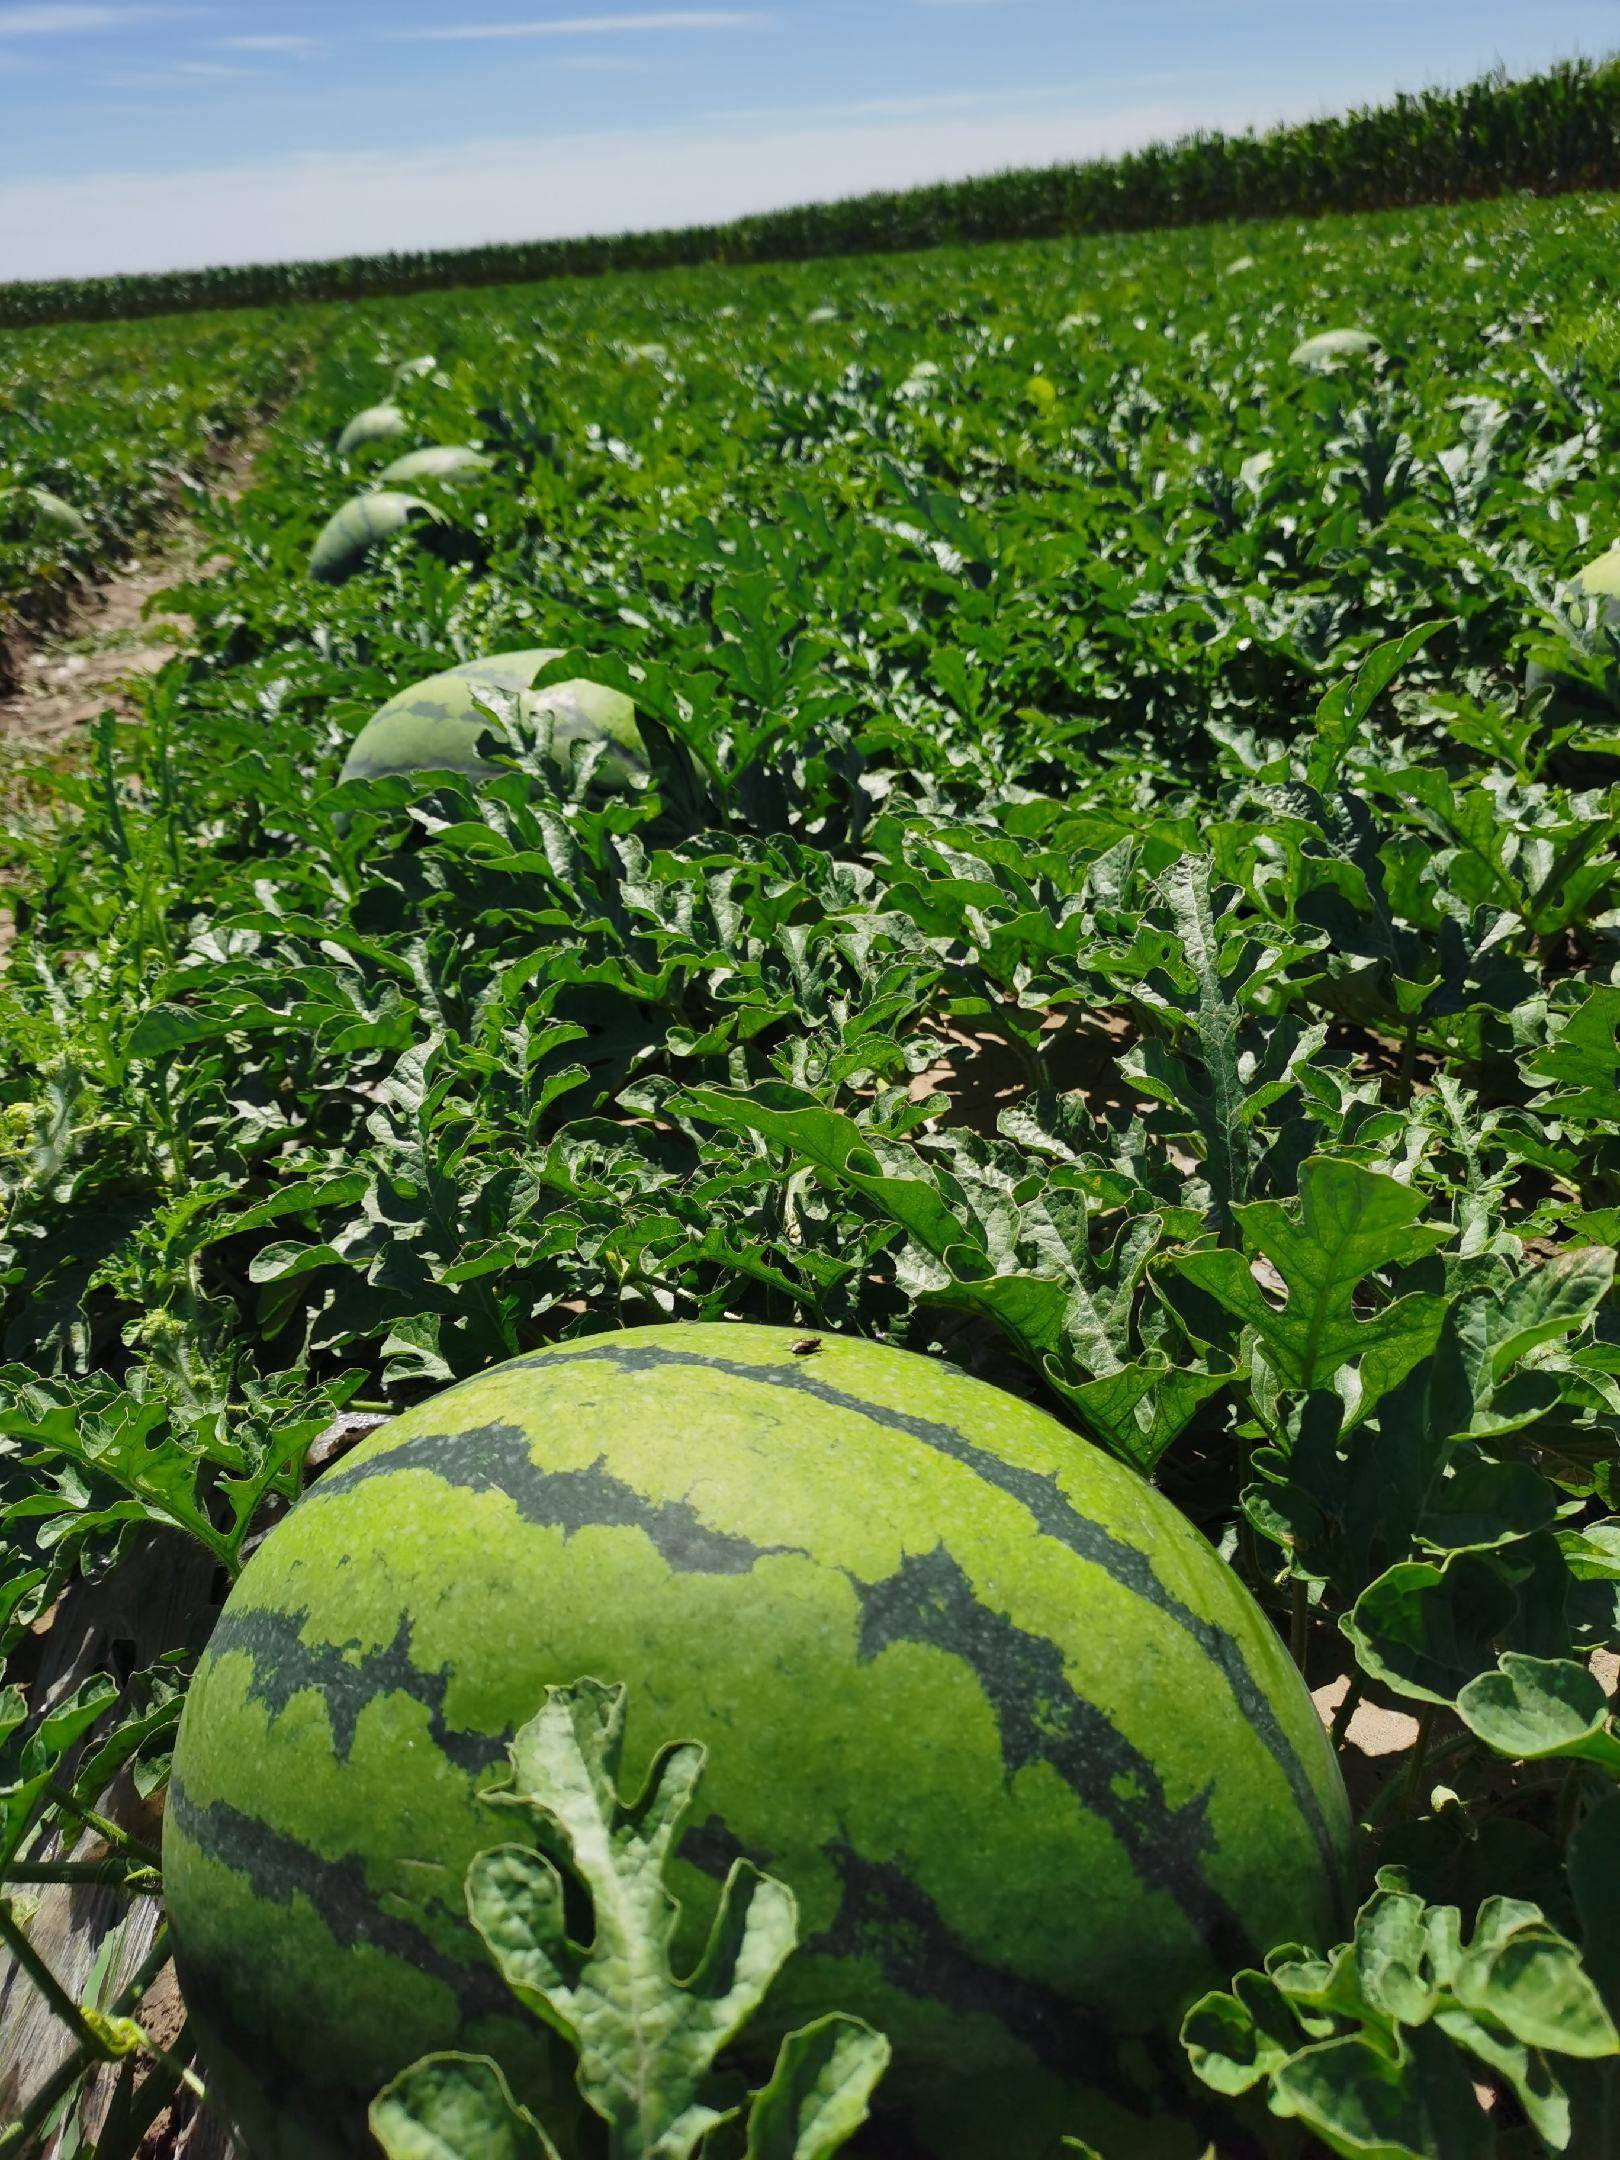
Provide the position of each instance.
(46, 511)
(378, 423)
(1578, 703)
(347, 538)
(441, 461)
(1035, 1764)
(436, 724)
(1334, 348)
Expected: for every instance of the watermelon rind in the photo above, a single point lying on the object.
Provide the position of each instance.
(1035, 1765)
(439, 461)
(48, 511)
(436, 725)
(1333, 348)
(377, 423)
(349, 536)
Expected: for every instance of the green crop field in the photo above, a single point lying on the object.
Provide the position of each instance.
(102, 432)
(1053, 815)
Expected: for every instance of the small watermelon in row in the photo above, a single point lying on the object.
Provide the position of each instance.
(1575, 702)
(46, 511)
(1035, 1765)
(349, 536)
(435, 726)
(440, 461)
(1335, 348)
(378, 423)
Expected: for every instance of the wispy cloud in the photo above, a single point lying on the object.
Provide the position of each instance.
(1081, 100)
(183, 75)
(283, 45)
(592, 25)
(71, 21)
(606, 64)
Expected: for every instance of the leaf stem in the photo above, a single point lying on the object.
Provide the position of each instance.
(104, 1827)
(141, 1880)
(1300, 1622)
(15, 1938)
(17, 2136)
(1420, 1755)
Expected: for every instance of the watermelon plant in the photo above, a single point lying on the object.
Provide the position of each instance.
(1384, 2038)
(1093, 925)
(102, 434)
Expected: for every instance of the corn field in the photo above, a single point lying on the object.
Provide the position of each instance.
(1547, 134)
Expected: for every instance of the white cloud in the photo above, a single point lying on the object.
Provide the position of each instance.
(365, 202)
(592, 25)
(184, 75)
(603, 64)
(1072, 97)
(279, 44)
(70, 21)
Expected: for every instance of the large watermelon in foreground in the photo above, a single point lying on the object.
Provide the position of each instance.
(436, 725)
(1037, 1767)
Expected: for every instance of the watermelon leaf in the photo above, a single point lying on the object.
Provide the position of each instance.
(818, 2094)
(452, 2107)
(647, 2040)
(1581, 1066)
(1533, 1709)
(1224, 1066)
(1377, 2048)
(1351, 1223)
(1339, 716)
(1427, 1630)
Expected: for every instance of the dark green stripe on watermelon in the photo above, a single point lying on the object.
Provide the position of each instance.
(497, 1458)
(954, 1669)
(1043, 1719)
(348, 1679)
(1052, 1513)
(280, 1869)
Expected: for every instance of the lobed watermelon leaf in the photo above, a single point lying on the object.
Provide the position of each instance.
(1351, 1223)
(647, 2040)
(1391, 2043)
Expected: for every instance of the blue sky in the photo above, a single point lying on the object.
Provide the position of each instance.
(147, 136)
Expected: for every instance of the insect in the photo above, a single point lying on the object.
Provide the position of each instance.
(806, 1346)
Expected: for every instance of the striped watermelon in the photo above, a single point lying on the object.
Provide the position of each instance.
(436, 725)
(1036, 1765)
(440, 461)
(1334, 348)
(1575, 703)
(378, 423)
(350, 534)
